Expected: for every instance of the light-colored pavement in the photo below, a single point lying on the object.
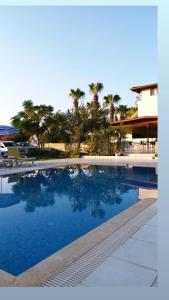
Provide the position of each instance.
(125, 258)
(114, 161)
(133, 264)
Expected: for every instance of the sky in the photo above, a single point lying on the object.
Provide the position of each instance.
(46, 51)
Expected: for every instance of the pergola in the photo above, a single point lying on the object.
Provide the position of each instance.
(141, 127)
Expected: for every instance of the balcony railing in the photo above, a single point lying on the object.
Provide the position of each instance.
(138, 148)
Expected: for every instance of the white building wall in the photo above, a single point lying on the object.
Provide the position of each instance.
(147, 105)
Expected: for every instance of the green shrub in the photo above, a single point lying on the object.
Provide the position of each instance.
(46, 153)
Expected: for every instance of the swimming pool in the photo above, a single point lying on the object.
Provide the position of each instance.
(43, 211)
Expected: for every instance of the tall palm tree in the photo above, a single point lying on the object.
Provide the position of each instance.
(95, 89)
(76, 95)
(110, 100)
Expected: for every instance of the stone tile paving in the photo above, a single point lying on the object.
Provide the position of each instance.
(133, 264)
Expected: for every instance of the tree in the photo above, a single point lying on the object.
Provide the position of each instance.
(109, 101)
(88, 123)
(95, 89)
(122, 110)
(58, 129)
(94, 130)
(76, 95)
(132, 112)
(79, 127)
(118, 138)
(107, 141)
(33, 119)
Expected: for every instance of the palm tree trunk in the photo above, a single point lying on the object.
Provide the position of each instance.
(95, 101)
(112, 112)
(75, 103)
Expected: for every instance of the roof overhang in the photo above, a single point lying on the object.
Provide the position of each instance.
(140, 88)
(136, 122)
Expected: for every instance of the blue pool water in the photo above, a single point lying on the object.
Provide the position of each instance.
(43, 211)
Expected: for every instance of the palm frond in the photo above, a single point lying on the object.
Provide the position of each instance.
(95, 88)
(116, 98)
(76, 94)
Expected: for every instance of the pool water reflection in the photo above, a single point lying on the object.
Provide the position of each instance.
(43, 211)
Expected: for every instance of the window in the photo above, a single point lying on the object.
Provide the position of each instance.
(153, 92)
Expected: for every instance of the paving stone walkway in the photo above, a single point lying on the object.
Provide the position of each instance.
(133, 264)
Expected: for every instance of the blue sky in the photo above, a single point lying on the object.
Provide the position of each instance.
(46, 51)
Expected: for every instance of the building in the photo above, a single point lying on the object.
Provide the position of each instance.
(143, 128)
(147, 100)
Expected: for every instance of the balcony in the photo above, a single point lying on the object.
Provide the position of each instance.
(145, 148)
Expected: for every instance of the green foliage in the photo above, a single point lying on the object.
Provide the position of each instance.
(132, 112)
(89, 124)
(58, 129)
(76, 95)
(109, 99)
(45, 153)
(106, 142)
(123, 111)
(78, 123)
(94, 89)
(127, 112)
(99, 143)
(33, 119)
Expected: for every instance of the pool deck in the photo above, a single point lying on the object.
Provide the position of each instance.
(47, 164)
(133, 263)
(120, 252)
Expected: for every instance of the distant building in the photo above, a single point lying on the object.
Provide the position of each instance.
(143, 127)
(147, 102)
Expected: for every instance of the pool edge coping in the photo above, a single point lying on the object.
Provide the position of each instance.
(42, 165)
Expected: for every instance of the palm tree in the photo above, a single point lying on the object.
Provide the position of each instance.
(110, 100)
(76, 95)
(122, 110)
(95, 89)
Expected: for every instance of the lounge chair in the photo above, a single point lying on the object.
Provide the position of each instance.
(15, 153)
(7, 162)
